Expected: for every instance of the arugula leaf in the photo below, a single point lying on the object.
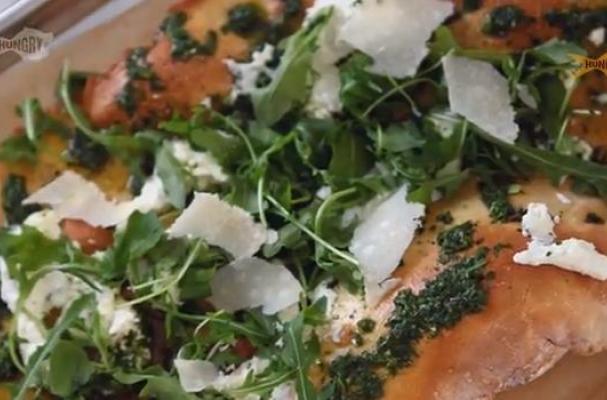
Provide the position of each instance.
(292, 81)
(67, 318)
(226, 148)
(350, 158)
(13, 194)
(69, 368)
(173, 176)
(557, 51)
(556, 165)
(142, 233)
(300, 357)
(165, 388)
(31, 249)
(17, 148)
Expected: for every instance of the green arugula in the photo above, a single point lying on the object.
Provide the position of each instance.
(69, 368)
(292, 81)
(67, 318)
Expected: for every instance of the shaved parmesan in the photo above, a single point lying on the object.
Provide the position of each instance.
(284, 391)
(324, 98)
(479, 93)
(380, 241)
(399, 32)
(247, 74)
(572, 254)
(196, 375)
(70, 196)
(220, 224)
(253, 282)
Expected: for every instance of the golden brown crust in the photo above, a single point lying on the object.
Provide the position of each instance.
(534, 315)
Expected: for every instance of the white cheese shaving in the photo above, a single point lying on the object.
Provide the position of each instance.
(380, 241)
(324, 98)
(47, 222)
(70, 196)
(394, 32)
(571, 254)
(538, 224)
(375, 292)
(478, 92)
(9, 288)
(196, 375)
(246, 74)
(200, 165)
(284, 391)
(220, 224)
(253, 282)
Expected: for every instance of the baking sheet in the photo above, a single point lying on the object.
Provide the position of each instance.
(97, 49)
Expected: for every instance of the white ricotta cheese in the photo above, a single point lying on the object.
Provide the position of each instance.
(537, 223)
(220, 224)
(47, 222)
(253, 282)
(478, 92)
(394, 32)
(246, 74)
(152, 196)
(380, 241)
(572, 254)
(202, 166)
(9, 288)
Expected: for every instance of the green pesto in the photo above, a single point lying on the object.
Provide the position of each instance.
(445, 218)
(366, 325)
(456, 239)
(576, 23)
(183, 44)
(503, 19)
(495, 197)
(127, 98)
(13, 194)
(85, 152)
(137, 66)
(245, 19)
(457, 291)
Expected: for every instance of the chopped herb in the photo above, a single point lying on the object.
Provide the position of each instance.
(503, 19)
(83, 151)
(445, 218)
(458, 291)
(495, 197)
(127, 98)
(471, 5)
(137, 65)
(183, 45)
(18, 148)
(292, 7)
(577, 23)
(366, 325)
(13, 194)
(8, 371)
(456, 239)
(245, 19)
(594, 218)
